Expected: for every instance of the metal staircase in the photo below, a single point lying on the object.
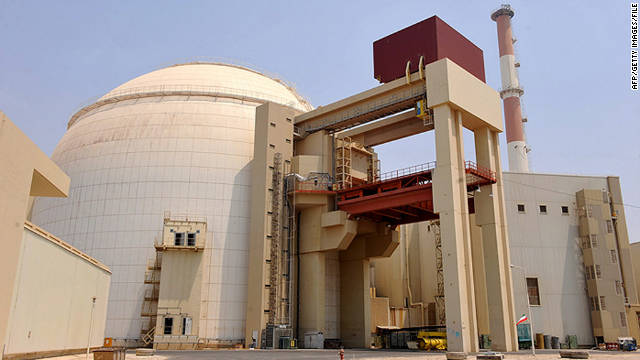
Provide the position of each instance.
(440, 307)
(150, 302)
(275, 258)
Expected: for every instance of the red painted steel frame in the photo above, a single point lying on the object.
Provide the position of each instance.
(406, 197)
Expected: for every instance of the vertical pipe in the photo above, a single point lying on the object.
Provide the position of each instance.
(93, 305)
(511, 92)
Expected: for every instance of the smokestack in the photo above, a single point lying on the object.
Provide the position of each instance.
(511, 92)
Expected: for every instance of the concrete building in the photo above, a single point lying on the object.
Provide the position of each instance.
(233, 213)
(560, 227)
(173, 144)
(54, 297)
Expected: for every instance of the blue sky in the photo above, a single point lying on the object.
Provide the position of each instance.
(575, 56)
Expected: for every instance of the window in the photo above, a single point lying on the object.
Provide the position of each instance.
(288, 141)
(543, 209)
(272, 124)
(605, 196)
(186, 326)
(614, 257)
(618, 287)
(565, 210)
(595, 305)
(598, 272)
(521, 208)
(191, 239)
(586, 242)
(272, 146)
(623, 319)
(533, 291)
(179, 239)
(594, 240)
(603, 305)
(168, 325)
(593, 273)
(609, 226)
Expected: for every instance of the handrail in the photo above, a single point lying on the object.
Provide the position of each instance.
(406, 171)
(415, 169)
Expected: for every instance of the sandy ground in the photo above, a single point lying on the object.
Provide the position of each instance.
(349, 354)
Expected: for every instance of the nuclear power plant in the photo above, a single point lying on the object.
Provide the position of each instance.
(215, 207)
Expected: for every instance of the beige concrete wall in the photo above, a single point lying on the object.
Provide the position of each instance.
(595, 211)
(180, 290)
(634, 251)
(27, 172)
(52, 301)
(273, 134)
(622, 238)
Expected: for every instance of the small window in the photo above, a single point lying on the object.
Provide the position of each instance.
(603, 305)
(533, 291)
(593, 272)
(179, 239)
(609, 226)
(288, 141)
(623, 319)
(543, 209)
(288, 120)
(587, 273)
(186, 326)
(168, 325)
(595, 305)
(618, 287)
(521, 208)
(586, 242)
(594, 240)
(598, 272)
(565, 210)
(272, 124)
(191, 239)
(272, 146)
(614, 257)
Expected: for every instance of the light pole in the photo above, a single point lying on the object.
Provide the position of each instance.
(93, 305)
(524, 275)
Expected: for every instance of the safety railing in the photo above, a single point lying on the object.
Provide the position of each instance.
(479, 170)
(470, 167)
(407, 171)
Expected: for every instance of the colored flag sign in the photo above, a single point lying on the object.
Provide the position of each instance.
(522, 319)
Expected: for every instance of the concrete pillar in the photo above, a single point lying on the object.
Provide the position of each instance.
(355, 303)
(450, 201)
(490, 216)
(479, 278)
(312, 293)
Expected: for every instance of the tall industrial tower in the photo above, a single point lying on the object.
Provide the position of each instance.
(511, 92)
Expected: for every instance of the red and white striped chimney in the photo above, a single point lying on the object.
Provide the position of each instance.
(511, 92)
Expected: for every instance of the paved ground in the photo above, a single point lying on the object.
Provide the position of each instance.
(349, 354)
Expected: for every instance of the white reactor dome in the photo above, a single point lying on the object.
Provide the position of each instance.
(178, 140)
